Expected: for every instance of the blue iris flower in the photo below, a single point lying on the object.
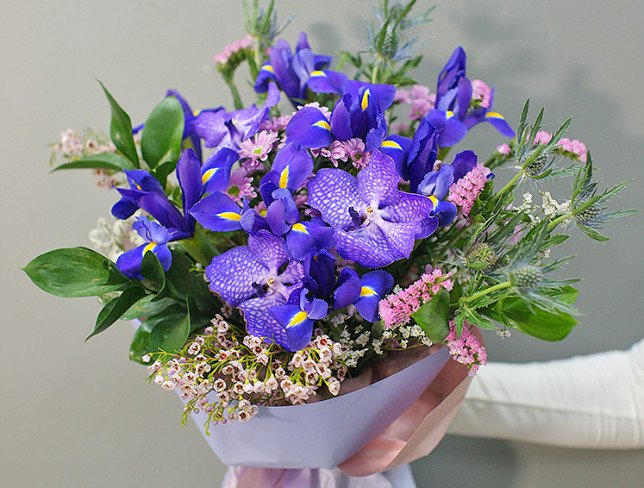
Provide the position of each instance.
(435, 185)
(362, 292)
(156, 241)
(299, 71)
(452, 113)
(298, 318)
(146, 193)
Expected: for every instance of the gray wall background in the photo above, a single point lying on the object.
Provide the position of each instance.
(78, 414)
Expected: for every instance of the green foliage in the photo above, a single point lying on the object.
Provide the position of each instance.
(162, 134)
(108, 161)
(433, 316)
(116, 307)
(75, 272)
(121, 129)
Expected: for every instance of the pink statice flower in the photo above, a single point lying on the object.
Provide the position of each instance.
(542, 137)
(466, 349)
(574, 148)
(240, 186)
(503, 149)
(481, 93)
(396, 309)
(465, 191)
(231, 49)
(258, 147)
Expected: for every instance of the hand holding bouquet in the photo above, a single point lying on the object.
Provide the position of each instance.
(279, 251)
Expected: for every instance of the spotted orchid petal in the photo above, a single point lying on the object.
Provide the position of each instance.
(378, 182)
(231, 275)
(260, 322)
(332, 192)
(269, 249)
(367, 246)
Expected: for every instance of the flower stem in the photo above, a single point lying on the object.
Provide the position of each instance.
(510, 184)
(499, 286)
(559, 219)
(237, 101)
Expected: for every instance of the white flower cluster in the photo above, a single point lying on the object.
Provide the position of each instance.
(112, 237)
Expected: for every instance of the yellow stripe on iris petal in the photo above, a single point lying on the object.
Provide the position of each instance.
(367, 291)
(299, 228)
(391, 144)
(284, 178)
(365, 99)
(269, 68)
(297, 319)
(449, 114)
(196, 112)
(323, 124)
(318, 73)
(207, 175)
(494, 115)
(150, 247)
(434, 200)
(229, 216)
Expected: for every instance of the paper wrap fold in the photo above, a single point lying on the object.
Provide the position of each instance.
(393, 421)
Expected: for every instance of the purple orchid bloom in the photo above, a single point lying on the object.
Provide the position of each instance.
(298, 319)
(299, 71)
(436, 185)
(302, 238)
(156, 240)
(453, 104)
(358, 114)
(220, 129)
(146, 193)
(375, 223)
(255, 278)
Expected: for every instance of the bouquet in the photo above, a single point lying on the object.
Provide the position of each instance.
(322, 253)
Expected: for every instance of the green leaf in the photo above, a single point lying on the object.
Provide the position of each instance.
(593, 234)
(109, 161)
(121, 129)
(184, 283)
(516, 312)
(162, 133)
(170, 333)
(147, 306)
(115, 308)
(139, 345)
(153, 273)
(75, 272)
(433, 316)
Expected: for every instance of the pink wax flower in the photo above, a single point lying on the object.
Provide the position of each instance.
(481, 93)
(466, 349)
(574, 148)
(258, 147)
(542, 137)
(465, 191)
(504, 149)
(396, 309)
(231, 49)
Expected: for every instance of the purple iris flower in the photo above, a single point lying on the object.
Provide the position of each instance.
(254, 278)
(220, 213)
(360, 113)
(146, 193)
(156, 240)
(319, 273)
(302, 237)
(436, 184)
(375, 223)
(299, 71)
(362, 292)
(219, 128)
(452, 110)
(298, 318)
(291, 168)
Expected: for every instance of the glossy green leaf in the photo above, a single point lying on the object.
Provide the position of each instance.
(108, 161)
(170, 333)
(148, 306)
(121, 129)
(433, 316)
(115, 308)
(162, 133)
(75, 272)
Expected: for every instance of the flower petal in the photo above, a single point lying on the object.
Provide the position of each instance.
(294, 165)
(373, 287)
(378, 182)
(232, 274)
(332, 192)
(309, 128)
(268, 249)
(217, 212)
